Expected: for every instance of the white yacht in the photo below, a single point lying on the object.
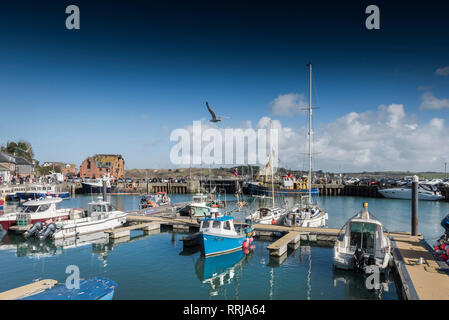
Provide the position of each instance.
(306, 215)
(99, 216)
(425, 192)
(362, 244)
(271, 215)
(265, 215)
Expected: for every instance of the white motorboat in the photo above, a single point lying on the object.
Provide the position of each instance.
(33, 211)
(427, 192)
(362, 244)
(100, 216)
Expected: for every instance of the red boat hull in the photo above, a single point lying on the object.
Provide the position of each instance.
(6, 224)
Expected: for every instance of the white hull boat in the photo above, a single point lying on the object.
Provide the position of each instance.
(267, 216)
(312, 217)
(100, 216)
(36, 210)
(362, 244)
(425, 192)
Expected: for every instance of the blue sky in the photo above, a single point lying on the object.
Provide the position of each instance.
(136, 71)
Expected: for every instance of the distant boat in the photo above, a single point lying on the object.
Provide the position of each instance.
(89, 289)
(362, 244)
(217, 235)
(96, 185)
(158, 199)
(36, 191)
(427, 192)
(35, 210)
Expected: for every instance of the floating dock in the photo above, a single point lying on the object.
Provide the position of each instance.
(426, 281)
(28, 290)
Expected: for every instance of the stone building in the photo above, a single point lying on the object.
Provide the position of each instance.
(100, 164)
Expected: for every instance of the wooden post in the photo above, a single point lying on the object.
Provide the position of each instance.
(104, 190)
(415, 206)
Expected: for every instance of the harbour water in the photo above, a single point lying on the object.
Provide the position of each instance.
(154, 266)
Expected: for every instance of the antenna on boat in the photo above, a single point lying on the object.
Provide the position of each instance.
(310, 132)
(271, 165)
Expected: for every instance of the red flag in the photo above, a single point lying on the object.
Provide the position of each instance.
(235, 172)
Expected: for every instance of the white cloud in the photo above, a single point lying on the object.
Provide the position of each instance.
(382, 139)
(430, 102)
(444, 71)
(288, 104)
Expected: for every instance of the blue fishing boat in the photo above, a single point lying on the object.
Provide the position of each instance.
(89, 289)
(217, 235)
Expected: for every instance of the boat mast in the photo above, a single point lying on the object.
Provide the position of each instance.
(310, 132)
(271, 165)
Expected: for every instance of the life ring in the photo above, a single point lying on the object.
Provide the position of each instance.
(192, 211)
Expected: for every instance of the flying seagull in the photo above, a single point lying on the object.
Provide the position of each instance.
(214, 117)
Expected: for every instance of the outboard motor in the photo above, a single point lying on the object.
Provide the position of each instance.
(48, 231)
(359, 260)
(34, 230)
(371, 260)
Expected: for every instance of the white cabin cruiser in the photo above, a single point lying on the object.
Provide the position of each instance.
(100, 216)
(271, 215)
(427, 192)
(363, 245)
(35, 210)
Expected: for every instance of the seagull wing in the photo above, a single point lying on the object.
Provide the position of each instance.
(211, 112)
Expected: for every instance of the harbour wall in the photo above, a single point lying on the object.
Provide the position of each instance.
(227, 186)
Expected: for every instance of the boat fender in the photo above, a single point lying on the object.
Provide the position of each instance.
(251, 240)
(444, 257)
(245, 250)
(252, 247)
(245, 244)
(436, 248)
(273, 221)
(34, 230)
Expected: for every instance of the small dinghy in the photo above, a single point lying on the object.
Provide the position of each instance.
(89, 289)
(362, 245)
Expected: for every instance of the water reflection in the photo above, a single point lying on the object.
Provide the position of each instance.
(219, 271)
(355, 287)
(100, 242)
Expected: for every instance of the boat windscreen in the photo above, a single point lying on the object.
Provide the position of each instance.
(363, 236)
(29, 209)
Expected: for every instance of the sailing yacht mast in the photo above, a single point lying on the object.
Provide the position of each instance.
(310, 132)
(271, 165)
